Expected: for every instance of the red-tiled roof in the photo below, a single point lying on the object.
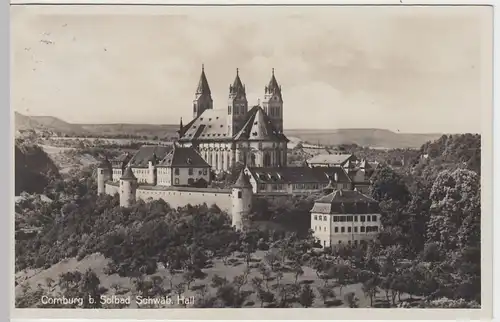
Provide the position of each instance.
(278, 175)
(105, 164)
(345, 202)
(211, 125)
(183, 157)
(339, 159)
(148, 153)
(259, 127)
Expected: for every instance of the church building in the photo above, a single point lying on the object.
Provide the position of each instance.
(236, 133)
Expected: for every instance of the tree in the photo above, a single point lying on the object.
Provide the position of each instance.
(455, 210)
(307, 296)
(263, 295)
(180, 288)
(351, 299)
(297, 271)
(326, 292)
(388, 185)
(342, 274)
(189, 277)
(86, 286)
(370, 288)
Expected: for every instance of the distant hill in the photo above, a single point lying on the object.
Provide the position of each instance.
(54, 124)
(376, 138)
(363, 137)
(46, 123)
(150, 130)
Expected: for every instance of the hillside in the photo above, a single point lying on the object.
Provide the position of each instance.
(32, 168)
(46, 123)
(363, 137)
(149, 130)
(54, 124)
(450, 152)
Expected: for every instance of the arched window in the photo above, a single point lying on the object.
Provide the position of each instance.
(216, 161)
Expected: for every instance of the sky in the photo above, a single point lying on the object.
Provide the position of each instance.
(407, 69)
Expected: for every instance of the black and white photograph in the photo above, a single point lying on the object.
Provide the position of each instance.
(250, 157)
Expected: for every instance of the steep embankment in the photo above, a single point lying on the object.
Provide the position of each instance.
(32, 169)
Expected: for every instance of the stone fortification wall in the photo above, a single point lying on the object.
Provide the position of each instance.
(181, 196)
(111, 188)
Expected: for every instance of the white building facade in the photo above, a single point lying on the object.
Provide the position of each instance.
(345, 216)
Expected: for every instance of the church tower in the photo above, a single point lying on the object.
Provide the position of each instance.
(203, 96)
(237, 106)
(273, 103)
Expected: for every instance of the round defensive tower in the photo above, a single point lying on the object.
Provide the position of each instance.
(152, 162)
(241, 200)
(128, 187)
(104, 172)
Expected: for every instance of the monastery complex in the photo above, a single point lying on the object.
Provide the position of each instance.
(217, 140)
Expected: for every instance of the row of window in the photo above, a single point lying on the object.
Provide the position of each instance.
(362, 218)
(362, 229)
(237, 109)
(302, 186)
(191, 171)
(307, 186)
(348, 242)
(176, 181)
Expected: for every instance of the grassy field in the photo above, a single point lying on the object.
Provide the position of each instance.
(235, 266)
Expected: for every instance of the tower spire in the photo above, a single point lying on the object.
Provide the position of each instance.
(181, 127)
(238, 86)
(203, 87)
(273, 87)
